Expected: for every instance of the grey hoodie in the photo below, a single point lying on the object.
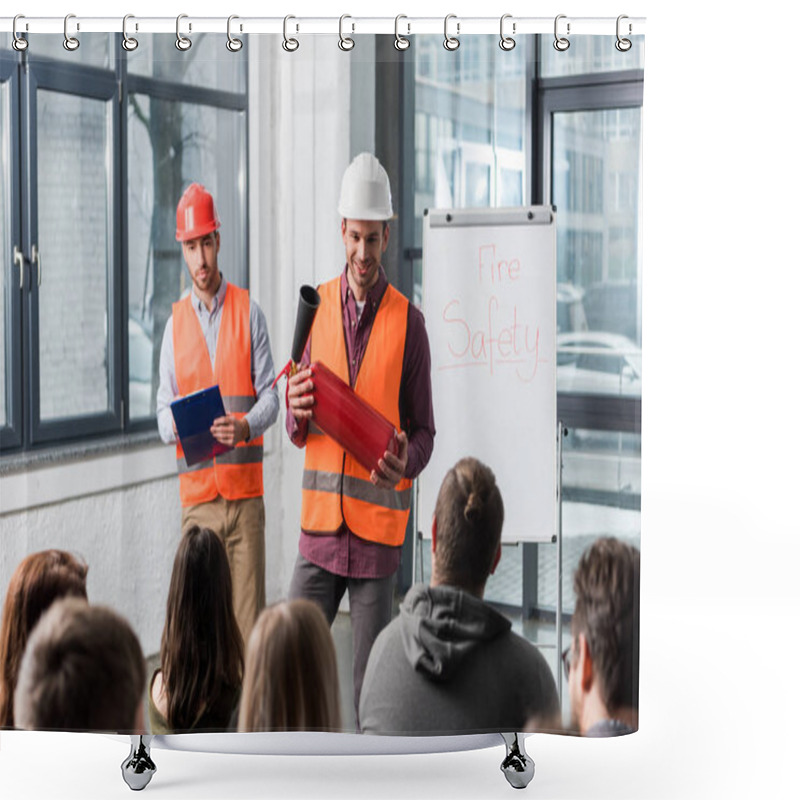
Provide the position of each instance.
(449, 663)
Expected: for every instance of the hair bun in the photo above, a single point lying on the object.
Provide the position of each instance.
(473, 507)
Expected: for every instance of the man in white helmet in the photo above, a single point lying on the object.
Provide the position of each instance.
(353, 522)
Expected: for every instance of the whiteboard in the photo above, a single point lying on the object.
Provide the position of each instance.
(489, 300)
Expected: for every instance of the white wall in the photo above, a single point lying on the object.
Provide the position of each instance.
(299, 148)
(121, 510)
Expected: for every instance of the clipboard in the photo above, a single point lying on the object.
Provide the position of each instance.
(194, 416)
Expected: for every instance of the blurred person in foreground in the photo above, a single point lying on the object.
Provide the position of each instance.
(200, 678)
(602, 663)
(291, 681)
(83, 670)
(449, 663)
(38, 581)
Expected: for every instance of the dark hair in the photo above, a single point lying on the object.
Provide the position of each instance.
(83, 670)
(39, 580)
(201, 646)
(291, 679)
(607, 613)
(384, 221)
(469, 521)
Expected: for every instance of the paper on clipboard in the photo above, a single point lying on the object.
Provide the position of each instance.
(194, 416)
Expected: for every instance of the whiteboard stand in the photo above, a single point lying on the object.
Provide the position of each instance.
(562, 432)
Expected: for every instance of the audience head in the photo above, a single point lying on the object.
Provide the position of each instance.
(39, 580)
(467, 523)
(604, 660)
(83, 670)
(201, 647)
(290, 677)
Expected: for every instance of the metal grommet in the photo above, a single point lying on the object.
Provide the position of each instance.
(345, 42)
(71, 43)
(623, 45)
(400, 42)
(288, 44)
(561, 43)
(233, 44)
(451, 42)
(128, 42)
(506, 42)
(183, 43)
(18, 43)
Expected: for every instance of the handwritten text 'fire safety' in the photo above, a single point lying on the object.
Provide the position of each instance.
(493, 332)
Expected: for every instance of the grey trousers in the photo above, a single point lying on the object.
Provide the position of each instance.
(370, 608)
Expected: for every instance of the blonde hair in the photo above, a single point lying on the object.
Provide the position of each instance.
(290, 676)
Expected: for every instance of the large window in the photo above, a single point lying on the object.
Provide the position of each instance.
(534, 125)
(588, 128)
(96, 147)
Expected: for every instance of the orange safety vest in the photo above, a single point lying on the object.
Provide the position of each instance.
(238, 473)
(336, 488)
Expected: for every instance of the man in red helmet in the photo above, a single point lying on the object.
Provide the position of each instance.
(218, 335)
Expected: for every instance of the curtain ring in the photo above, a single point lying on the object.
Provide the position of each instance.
(18, 43)
(233, 44)
(451, 42)
(71, 43)
(128, 42)
(288, 44)
(345, 42)
(623, 45)
(506, 42)
(400, 42)
(181, 42)
(561, 43)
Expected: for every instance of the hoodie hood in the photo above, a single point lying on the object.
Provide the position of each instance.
(442, 625)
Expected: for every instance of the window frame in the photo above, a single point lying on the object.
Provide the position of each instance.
(96, 84)
(11, 434)
(26, 73)
(544, 98)
(592, 92)
(133, 83)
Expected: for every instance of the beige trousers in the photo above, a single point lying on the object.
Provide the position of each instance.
(240, 525)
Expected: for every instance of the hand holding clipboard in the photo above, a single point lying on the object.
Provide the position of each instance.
(199, 419)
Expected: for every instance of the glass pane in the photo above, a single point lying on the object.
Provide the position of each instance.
(94, 50)
(504, 586)
(171, 144)
(588, 54)
(602, 497)
(469, 148)
(74, 242)
(207, 63)
(596, 188)
(5, 234)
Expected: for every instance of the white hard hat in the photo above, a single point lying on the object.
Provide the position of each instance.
(366, 193)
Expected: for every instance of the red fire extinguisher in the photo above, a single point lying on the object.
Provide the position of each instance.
(338, 411)
(349, 420)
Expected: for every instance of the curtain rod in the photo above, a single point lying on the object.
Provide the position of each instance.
(450, 26)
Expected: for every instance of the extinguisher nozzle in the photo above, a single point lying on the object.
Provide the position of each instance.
(307, 306)
(289, 369)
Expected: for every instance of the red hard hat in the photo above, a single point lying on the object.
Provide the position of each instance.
(196, 215)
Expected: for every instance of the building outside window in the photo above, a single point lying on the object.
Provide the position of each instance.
(96, 148)
(534, 125)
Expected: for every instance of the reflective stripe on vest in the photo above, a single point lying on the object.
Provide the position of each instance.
(236, 474)
(336, 487)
